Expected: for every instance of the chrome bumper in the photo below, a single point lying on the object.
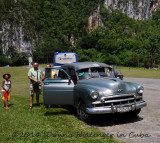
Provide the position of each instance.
(113, 109)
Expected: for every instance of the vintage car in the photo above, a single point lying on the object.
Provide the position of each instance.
(86, 86)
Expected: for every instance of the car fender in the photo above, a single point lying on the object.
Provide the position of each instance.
(82, 92)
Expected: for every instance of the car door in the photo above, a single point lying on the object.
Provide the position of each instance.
(58, 91)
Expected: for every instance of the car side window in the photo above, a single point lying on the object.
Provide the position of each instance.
(73, 75)
(50, 73)
(62, 75)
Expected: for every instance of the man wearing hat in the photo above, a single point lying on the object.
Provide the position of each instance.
(35, 76)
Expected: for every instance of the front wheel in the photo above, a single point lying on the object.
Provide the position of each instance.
(81, 112)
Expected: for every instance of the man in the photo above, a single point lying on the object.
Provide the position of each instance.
(35, 77)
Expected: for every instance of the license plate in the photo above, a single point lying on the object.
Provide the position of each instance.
(124, 109)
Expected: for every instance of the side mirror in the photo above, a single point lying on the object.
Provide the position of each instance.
(120, 76)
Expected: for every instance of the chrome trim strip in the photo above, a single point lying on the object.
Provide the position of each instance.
(113, 109)
(120, 100)
(113, 101)
(121, 95)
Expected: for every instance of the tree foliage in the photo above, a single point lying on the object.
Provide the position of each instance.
(51, 23)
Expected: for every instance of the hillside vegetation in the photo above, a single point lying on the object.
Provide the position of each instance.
(51, 23)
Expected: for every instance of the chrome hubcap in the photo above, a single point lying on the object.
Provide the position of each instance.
(83, 113)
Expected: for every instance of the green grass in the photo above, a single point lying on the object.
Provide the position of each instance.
(44, 65)
(140, 72)
(19, 124)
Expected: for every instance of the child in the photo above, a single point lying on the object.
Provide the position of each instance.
(6, 85)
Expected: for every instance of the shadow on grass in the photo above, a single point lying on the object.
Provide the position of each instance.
(9, 105)
(107, 119)
(40, 104)
(72, 110)
(69, 110)
(113, 119)
(99, 120)
(56, 113)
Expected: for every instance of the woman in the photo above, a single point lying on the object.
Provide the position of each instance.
(6, 88)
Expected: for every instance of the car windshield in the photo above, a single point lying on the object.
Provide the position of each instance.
(93, 72)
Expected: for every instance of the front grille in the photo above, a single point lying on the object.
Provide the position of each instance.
(117, 100)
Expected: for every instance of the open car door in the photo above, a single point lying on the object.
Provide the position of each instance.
(57, 91)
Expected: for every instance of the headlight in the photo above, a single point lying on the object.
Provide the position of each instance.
(94, 95)
(140, 89)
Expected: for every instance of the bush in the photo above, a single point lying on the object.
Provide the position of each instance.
(111, 59)
(129, 58)
(4, 61)
(14, 58)
(90, 55)
(38, 56)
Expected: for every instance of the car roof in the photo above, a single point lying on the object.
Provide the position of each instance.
(82, 65)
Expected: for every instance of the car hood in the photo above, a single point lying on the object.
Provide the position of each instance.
(109, 86)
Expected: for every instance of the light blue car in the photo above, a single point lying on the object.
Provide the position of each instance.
(92, 90)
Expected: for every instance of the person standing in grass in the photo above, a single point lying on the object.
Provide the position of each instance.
(35, 76)
(6, 88)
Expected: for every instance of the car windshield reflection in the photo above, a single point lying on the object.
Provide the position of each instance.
(94, 72)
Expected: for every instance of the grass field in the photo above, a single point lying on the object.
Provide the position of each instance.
(19, 124)
(140, 72)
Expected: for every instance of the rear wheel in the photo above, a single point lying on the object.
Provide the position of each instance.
(82, 114)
